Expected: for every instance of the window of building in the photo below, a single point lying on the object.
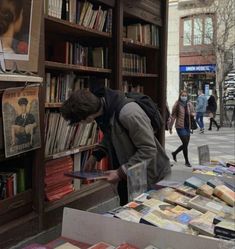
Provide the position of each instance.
(197, 30)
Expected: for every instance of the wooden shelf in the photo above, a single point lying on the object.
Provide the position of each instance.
(53, 105)
(63, 27)
(19, 78)
(129, 43)
(85, 190)
(70, 152)
(70, 67)
(140, 75)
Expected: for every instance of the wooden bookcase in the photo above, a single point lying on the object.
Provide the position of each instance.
(39, 214)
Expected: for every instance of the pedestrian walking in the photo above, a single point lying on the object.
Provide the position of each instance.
(211, 110)
(201, 109)
(182, 112)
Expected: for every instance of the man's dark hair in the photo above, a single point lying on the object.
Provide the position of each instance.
(80, 105)
(22, 101)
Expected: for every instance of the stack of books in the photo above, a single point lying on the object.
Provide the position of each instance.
(194, 207)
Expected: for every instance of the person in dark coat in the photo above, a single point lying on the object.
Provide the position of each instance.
(211, 109)
(127, 141)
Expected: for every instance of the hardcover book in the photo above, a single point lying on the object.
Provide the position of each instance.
(205, 190)
(225, 228)
(194, 182)
(87, 175)
(225, 193)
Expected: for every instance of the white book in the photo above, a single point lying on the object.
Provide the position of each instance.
(85, 134)
(72, 10)
(48, 82)
(87, 16)
(103, 20)
(92, 22)
(83, 12)
(77, 167)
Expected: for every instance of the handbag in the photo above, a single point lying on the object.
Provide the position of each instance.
(193, 123)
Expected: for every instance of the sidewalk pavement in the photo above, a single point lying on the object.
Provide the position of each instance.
(221, 145)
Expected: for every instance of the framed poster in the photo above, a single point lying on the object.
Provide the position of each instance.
(20, 114)
(20, 33)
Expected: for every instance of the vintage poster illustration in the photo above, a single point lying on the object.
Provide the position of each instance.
(15, 32)
(20, 113)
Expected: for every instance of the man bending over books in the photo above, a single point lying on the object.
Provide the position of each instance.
(128, 137)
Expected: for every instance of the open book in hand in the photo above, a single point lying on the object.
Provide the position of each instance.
(88, 175)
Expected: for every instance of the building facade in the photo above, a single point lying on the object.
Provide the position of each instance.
(191, 56)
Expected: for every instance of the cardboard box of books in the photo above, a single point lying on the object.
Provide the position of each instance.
(94, 228)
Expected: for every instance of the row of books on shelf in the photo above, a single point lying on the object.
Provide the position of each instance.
(77, 54)
(60, 136)
(194, 207)
(134, 63)
(81, 12)
(60, 177)
(60, 86)
(12, 183)
(143, 33)
(57, 185)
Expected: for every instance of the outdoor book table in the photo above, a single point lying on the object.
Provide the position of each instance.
(91, 228)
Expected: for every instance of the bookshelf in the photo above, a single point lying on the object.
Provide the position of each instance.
(61, 43)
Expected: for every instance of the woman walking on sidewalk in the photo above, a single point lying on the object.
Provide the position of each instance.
(181, 113)
(211, 109)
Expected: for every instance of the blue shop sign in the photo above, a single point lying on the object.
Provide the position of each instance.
(198, 68)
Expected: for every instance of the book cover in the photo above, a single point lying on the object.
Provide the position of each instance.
(101, 245)
(177, 198)
(87, 175)
(225, 228)
(161, 193)
(194, 182)
(215, 182)
(157, 219)
(186, 190)
(225, 193)
(167, 183)
(129, 214)
(204, 204)
(136, 180)
(204, 224)
(67, 245)
(126, 246)
(205, 190)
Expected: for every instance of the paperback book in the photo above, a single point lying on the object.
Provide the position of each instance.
(87, 175)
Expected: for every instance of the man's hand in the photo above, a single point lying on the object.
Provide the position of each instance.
(112, 176)
(90, 164)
